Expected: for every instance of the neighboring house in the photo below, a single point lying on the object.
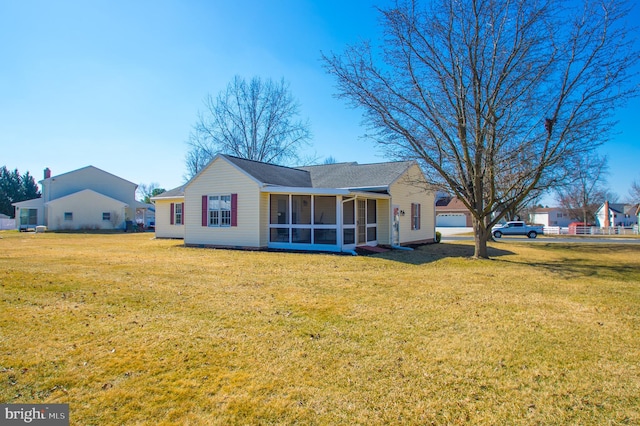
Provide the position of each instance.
(87, 198)
(240, 203)
(170, 213)
(550, 216)
(451, 212)
(617, 214)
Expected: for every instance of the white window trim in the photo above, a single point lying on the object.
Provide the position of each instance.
(177, 216)
(219, 210)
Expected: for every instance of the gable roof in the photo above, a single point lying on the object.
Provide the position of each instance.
(622, 208)
(450, 204)
(172, 193)
(87, 168)
(377, 176)
(34, 202)
(354, 175)
(271, 174)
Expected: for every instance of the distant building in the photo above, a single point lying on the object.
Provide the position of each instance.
(550, 216)
(87, 198)
(451, 212)
(617, 214)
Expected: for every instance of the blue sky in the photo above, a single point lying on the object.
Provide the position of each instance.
(118, 84)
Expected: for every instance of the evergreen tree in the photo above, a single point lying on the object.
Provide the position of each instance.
(15, 188)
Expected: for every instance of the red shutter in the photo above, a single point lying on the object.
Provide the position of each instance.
(419, 224)
(171, 214)
(182, 213)
(234, 209)
(205, 201)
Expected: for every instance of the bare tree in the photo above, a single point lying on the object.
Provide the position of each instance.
(634, 192)
(145, 192)
(494, 97)
(115, 219)
(256, 120)
(585, 190)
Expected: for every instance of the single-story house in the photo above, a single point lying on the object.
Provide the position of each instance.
(87, 198)
(170, 213)
(239, 203)
(451, 212)
(550, 216)
(617, 214)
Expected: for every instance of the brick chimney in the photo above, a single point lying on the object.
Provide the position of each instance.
(607, 223)
(47, 173)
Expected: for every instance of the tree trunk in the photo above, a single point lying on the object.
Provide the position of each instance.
(481, 236)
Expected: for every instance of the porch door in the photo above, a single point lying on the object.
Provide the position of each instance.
(362, 221)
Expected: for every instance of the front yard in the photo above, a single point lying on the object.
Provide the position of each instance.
(127, 329)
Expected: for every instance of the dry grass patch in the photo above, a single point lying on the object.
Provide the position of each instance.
(131, 330)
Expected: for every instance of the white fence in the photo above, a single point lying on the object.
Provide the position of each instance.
(6, 224)
(590, 230)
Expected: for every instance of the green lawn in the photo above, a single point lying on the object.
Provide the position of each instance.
(127, 329)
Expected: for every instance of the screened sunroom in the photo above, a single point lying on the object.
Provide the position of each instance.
(326, 219)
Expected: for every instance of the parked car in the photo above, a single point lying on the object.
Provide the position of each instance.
(517, 227)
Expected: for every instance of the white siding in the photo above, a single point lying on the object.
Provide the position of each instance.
(411, 188)
(86, 208)
(222, 178)
(36, 203)
(164, 228)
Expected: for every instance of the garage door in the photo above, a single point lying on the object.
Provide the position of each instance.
(451, 219)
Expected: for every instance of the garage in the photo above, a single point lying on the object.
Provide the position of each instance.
(451, 219)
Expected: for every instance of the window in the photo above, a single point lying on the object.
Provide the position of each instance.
(178, 213)
(68, 215)
(301, 209)
(106, 216)
(279, 209)
(349, 236)
(303, 219)
(324, 210)
(325, 236)
(371, 211)
(219, 210)
(415, 216)
(348, 212)
(28, 216)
